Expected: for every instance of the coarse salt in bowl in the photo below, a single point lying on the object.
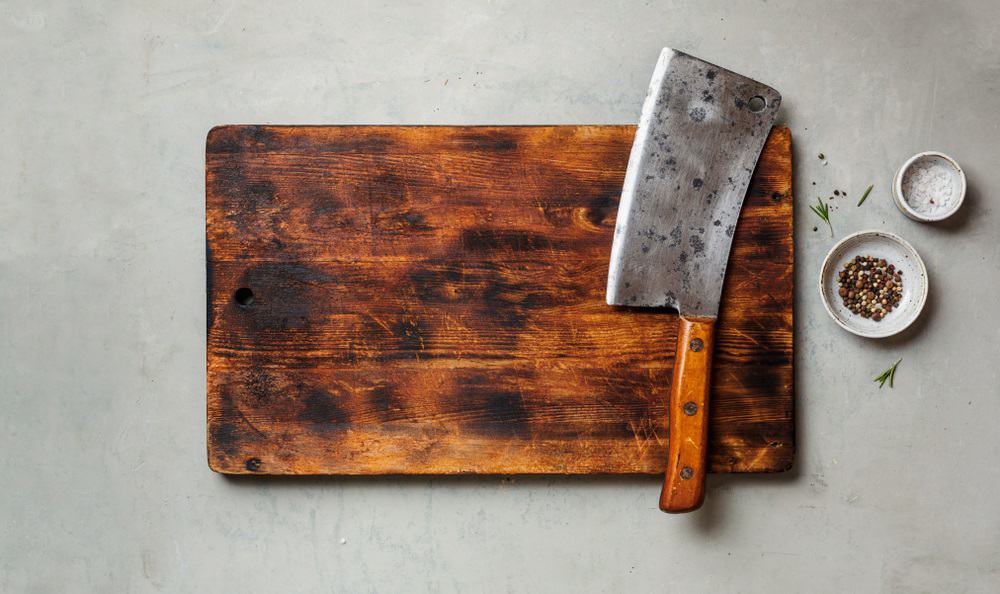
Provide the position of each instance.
(929, 187)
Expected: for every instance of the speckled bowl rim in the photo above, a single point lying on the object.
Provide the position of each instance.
(828, 263)
(904, 206)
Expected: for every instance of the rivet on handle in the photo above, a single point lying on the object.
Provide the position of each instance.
(697, 345)
(687, 472)
(690, 408)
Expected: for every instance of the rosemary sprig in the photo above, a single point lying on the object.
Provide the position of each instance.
(823, 212)
(887, 375)
(865, 195)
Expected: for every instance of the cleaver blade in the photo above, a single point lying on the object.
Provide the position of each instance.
(700, 134)
(701, 131)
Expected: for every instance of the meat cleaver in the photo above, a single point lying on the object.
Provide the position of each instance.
(701, 131)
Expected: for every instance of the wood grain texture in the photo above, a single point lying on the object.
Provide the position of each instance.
(430, 300)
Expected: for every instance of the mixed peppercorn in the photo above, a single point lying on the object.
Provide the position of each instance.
(870, 287)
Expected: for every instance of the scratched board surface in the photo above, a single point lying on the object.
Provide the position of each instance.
(430, 300)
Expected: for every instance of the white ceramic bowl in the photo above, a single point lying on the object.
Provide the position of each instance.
(894, 250)
(941, 162)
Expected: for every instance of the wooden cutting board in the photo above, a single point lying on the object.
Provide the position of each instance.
(430, 300)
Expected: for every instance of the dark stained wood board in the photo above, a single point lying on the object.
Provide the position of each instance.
(430, 300)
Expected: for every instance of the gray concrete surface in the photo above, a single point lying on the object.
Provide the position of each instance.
(104, 486)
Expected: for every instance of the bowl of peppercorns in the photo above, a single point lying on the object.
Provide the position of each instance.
(873, 284)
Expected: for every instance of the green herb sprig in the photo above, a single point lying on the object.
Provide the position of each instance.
(887, 375)
(823, 212)
(865, 195)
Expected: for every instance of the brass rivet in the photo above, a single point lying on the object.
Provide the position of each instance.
(690, 408)
(697, 345)
(687, 472)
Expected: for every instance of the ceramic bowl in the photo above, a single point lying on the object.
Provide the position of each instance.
(894, 250)
(941, 162)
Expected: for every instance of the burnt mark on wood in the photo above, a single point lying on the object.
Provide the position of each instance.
(260, 388)
(414, 220)
(238, 139)
(387, 190)
(284, 294)
(322, 407)
(257, 138)
(768, 244)
(225, 437)
(209, 292)
(396, 222)
(353, 140)
(245, 189)
(247, 198)
(602, 208)
(491, 407)
(260, 191)
(436, 281)
(557, 216)
(496, 241)
(224, 139)
(387, 405)
(503, 414)
(320, 196)
(410, 337)
(509, 320)
(224, 434)
(500, 294)
(260, 136)
(488, 141)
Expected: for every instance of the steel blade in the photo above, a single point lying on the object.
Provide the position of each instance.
(701, 131)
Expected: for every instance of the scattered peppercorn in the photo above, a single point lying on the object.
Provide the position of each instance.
(822, 156)
(836, 192)
(815, 229)
(870, 287)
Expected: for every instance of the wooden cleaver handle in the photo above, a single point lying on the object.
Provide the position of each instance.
(684, 482)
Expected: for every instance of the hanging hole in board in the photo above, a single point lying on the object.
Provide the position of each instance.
(756, 103)
(243, 296)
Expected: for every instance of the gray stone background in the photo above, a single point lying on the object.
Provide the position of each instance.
(104, 107)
